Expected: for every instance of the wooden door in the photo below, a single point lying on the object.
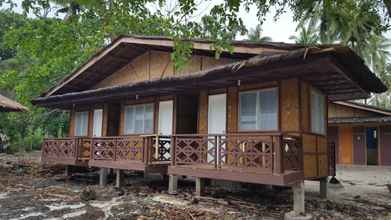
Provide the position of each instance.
(345, 145)
(165, 117)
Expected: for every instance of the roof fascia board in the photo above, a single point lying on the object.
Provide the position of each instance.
(85, 66)
(369, 108)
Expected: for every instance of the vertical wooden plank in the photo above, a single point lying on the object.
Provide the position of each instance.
(310, 155)
(156, 115)
(305, 107)
(232, 109)
(333, 138)
(203, 113)
(174, 112)
(90, 121)
(71, 132)
(290, 105)
(105, 120)
(323, 162)
(122, 120)
(346, 145)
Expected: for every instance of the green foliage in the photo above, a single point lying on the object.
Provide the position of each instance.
(256, 35)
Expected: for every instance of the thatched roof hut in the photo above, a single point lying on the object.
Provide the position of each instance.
(8, 105)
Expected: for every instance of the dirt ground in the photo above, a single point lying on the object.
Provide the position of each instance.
(31, 191)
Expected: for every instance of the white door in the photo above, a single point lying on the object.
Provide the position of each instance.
(164, 128)
(165, 117)
(98, 122)
(217, 116)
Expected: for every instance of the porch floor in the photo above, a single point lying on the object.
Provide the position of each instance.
(155, 167)
(287, 178)
(65, 161)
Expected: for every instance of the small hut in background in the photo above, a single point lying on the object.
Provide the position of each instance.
(8, 105)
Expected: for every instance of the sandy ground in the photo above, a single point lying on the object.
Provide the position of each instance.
(31, 191)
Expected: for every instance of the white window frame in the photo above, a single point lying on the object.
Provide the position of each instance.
(133, 130)
(258, 110)
(320, 130)
(78, 116)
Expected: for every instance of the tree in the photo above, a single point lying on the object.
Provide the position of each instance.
(8, 19)
(309, 34)
(256, 35)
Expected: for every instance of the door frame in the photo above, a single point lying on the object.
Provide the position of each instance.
(101, 121)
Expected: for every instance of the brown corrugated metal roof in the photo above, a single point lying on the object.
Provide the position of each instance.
(298, 63)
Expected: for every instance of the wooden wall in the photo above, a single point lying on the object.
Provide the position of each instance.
(156, 65)
(385, 145)
(290, 105)
(340, 111)
(203, 112)
(315, 146)
(294, 118)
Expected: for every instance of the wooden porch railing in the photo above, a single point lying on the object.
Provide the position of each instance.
(270, 153)
(140, 148)
(72, 148)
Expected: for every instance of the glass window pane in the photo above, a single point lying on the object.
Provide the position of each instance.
(268, 109)
(81, 123)
(139, 119)
(148, 123)
(318, 118)
(129, 120)
(247, 114)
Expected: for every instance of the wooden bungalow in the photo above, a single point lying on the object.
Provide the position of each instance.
(361, 133)
(256, 115)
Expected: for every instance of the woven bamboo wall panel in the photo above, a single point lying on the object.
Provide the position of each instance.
(290, 105)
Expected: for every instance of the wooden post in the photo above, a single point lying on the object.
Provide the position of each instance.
(172, 150)
(217, 152)
(278, 156)
(118, 178)
(103, 177)
(173, 185)
(323, 187)
(199, 186)
(298, 198)
(66, 172)
(298, 212)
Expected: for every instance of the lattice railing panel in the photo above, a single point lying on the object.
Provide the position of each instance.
(59, 148)
(292, 151)
(117, 148)
(192, 150)
(161, 151)
(103, 148)
(246, 152)
(130, 148)
(240, 152)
